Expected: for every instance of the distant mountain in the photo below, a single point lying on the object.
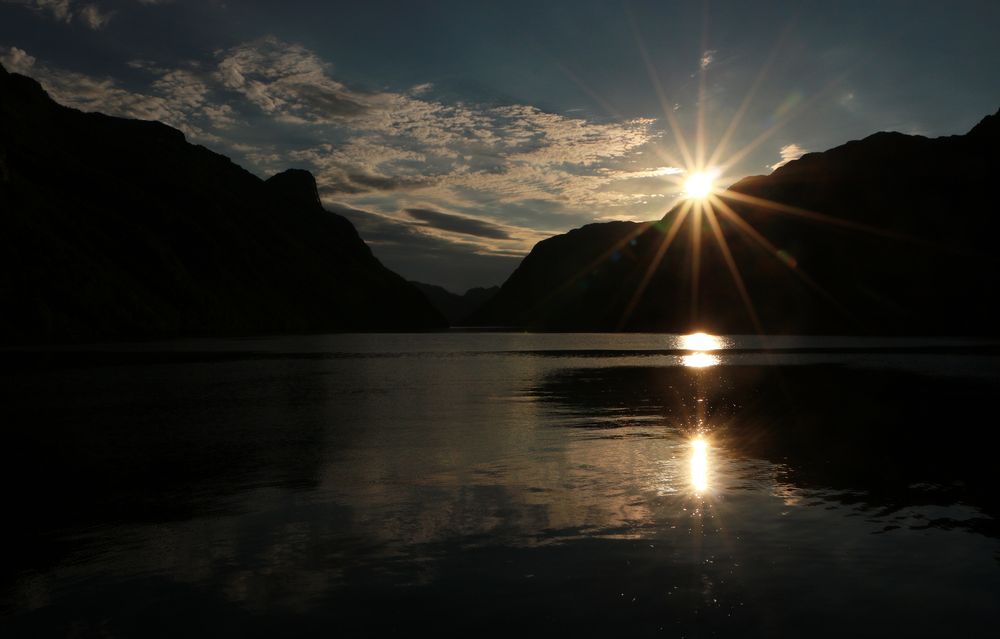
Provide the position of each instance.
(565, 269)
(115, 228)
(456, 308)
(892, 234)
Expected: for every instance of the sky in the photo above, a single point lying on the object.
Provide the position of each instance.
(456, 135)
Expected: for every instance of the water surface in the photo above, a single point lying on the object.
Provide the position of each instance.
(490, 483)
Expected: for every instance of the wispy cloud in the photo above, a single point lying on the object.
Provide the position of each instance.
(286, 81)
(17, 60)
(707, 58)
(413, 235)
(788, 153)
(485, 178)
(91, 15)
(176, 97)
(458, 224)
(375, 141)
(57, 9)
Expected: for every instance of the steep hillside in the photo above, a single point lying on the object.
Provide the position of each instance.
(893, 234)
(114, 228)
(456, 308)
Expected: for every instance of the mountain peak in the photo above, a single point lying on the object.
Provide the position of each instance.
(22, 85)
(169, 237)
(295, 184)
(988, 127)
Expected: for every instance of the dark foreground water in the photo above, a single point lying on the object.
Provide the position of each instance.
(502, 483)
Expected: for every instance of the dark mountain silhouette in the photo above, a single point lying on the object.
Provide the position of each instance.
(903, 243)
(112, 227)
(456, 308)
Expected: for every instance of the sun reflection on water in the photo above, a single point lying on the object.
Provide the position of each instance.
(701, 342)
(699, 465)
(699, 360)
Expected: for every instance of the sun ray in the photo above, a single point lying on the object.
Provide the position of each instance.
(758, 81)
(609, 108)
(695, 260)
(814, 216)
(668, 110)
(613, 112)
(709, 201)
(847, 224)
(669, 159)
(655, 263)
(727, 255)
(793, 113)
(700, 140)
(894, 35)
(773, 250)
(600, 259)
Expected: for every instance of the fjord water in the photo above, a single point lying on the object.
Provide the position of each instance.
(489, 482)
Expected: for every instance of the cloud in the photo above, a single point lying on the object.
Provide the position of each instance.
(57, 9)
(458, 224)
(60, 9)
(178, 98)
(68, 10)
(376, 141)
(17, 60)
(411, 249)
(388, 141)
(383, 229)
(189, 94)
(387, 233)
(707, 58)
(93, 17)
(275, 104)
(287, 81)
(848, 101)
(789, 152)
(380, 183)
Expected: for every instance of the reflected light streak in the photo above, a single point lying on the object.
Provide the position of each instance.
(700, 360)
(700, 342)
(699, 465)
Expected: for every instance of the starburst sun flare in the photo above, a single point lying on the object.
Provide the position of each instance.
(707, 205)
(699, 185)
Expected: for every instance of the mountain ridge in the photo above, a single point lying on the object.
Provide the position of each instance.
(879, 235)
(119, 228)
(455, 307)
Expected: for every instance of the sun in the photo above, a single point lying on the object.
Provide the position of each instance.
(699, 185)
